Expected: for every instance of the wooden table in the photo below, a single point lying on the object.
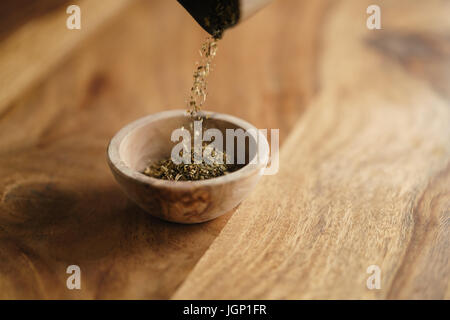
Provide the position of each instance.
(364, 179)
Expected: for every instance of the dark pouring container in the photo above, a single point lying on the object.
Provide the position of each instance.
(215, 16)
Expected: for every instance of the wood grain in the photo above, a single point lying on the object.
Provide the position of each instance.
(35, 40)
(364, 177)
(59, 202)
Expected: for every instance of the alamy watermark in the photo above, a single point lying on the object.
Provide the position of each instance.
(74, 280)
(74, 20)
(374, 281)
(374, 20)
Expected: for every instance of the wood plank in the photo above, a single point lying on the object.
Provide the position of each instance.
(59, 204)
(29, 50)
(364, 177)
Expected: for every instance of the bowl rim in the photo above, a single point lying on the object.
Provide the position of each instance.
(116, 163)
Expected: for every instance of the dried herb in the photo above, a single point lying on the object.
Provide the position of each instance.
(226, 14)
(168, 170)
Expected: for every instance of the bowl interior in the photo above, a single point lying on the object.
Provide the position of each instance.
(151, 141)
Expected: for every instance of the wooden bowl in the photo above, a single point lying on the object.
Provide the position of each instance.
(149, 139)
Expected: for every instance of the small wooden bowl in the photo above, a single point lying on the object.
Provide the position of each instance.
(149, 139)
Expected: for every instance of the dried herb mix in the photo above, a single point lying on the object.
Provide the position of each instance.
(167, 169)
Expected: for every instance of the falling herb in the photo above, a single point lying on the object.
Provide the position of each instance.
(198, 92)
